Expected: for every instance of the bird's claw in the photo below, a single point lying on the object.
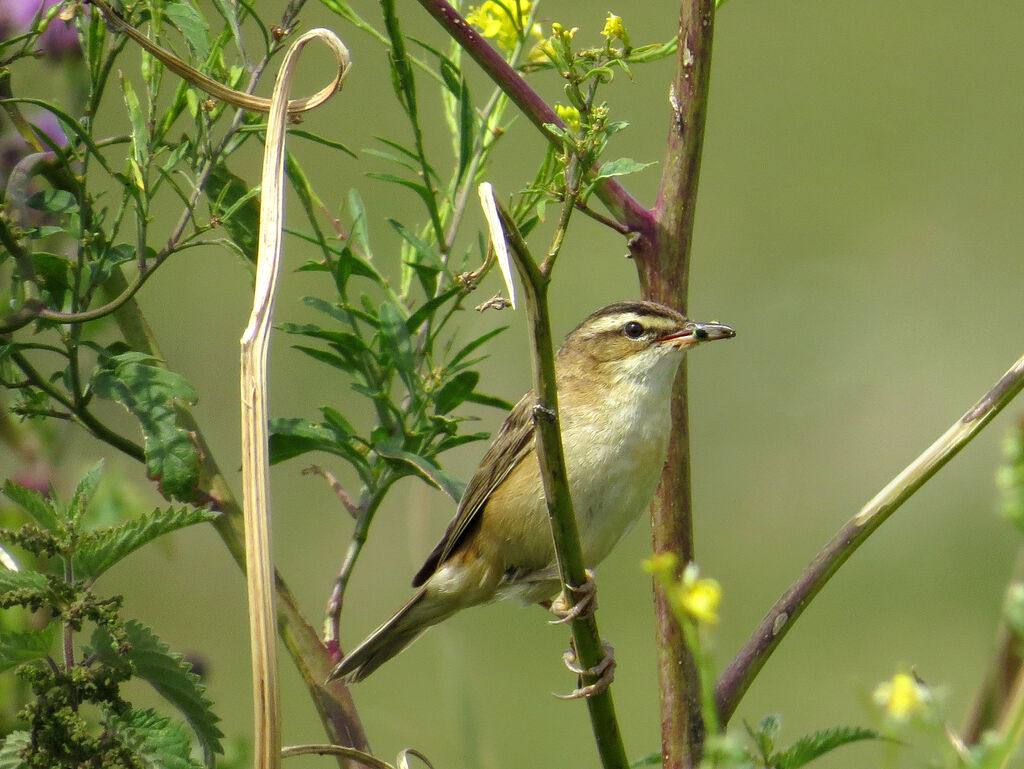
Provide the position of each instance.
(603, 670)
(585, 604)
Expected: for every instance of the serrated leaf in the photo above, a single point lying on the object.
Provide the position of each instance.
(21, 580)
(812, 746)
(455, 391)
(171, 675)
(192, 25)
(11, 748)
(156, 741)
(423, 467)
(149, 391)
(34, 503)
(103, 548)
(84, 492)
(620, 167)
(17, 648)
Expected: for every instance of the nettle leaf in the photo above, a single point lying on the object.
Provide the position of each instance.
(11, 749)
(192, 25)
(812, 746)
(16, 648)
(620, 167)
(171, 675)
(10, 581)
(101, 549)
(156, 741)
(455, 391)
(409, 462)
(34, 503)
(84, 492)
(148, 391)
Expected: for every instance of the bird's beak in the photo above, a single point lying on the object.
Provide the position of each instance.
(693, 334)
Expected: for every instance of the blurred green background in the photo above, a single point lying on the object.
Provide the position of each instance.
(859, 224)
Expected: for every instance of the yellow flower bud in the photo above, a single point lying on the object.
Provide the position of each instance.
(901, 697)
(570, 115)
(699, 597)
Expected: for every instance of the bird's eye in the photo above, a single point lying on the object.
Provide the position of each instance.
(633, 329)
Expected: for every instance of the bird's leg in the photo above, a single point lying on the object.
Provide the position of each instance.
(603, 670)
(585, 602)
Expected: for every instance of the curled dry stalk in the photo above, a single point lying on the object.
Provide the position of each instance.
(255, 460)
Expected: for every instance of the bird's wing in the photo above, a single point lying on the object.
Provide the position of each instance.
(513, 444)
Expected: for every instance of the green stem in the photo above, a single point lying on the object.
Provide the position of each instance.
(550, 455)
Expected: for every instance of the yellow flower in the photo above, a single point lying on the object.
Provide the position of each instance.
(613, 28)
(901, 697)
(570, 115)
(699, 597)
(493, 20)
(661, 565)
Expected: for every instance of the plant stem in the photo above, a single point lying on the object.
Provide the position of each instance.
(737, 677)
(550, 455)
(662, 255)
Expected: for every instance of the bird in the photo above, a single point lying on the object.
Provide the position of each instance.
(614, 374)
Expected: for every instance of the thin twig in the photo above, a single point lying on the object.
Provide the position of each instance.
(735, 679)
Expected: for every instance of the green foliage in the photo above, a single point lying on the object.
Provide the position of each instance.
(1010, 477)
(804, 750)
(70, 556)
(169, 673)
(149, 391)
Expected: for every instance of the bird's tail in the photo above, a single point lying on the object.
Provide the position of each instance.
(419, 612)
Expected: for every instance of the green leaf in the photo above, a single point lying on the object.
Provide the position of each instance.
(54, 201)
(489, 400)
(812, 746)
(149, 391)
(423, 467)
(171, 675)
(238, 207)
(360, 234)
(428, 253)
(34, 503)
(424, 194)
(11, 581)
(335, 361)
(17, 648)
(395, 339)
(101, 549)
(156, 741)
(620, 167)
(192, 25)
(455, 391)
(140, 131)
(84, 492)
(53, 273)
(293, 437)
(13, 745)
(474, 344)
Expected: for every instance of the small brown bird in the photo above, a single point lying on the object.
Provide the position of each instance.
(614, 374)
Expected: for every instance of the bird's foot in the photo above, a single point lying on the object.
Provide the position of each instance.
(585, 603)
(604, 671)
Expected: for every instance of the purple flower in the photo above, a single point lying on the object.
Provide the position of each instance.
(59, 39)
